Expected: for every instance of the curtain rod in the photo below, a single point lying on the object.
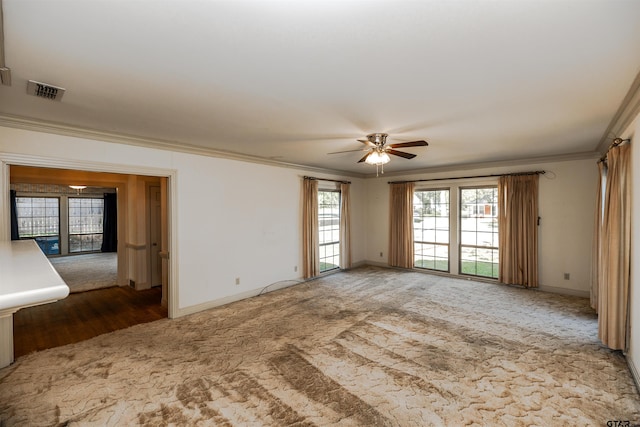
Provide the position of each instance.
(326, 179)
(615, 143)
(469, 177)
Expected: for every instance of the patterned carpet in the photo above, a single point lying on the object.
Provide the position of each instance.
(374, 347)
(88, 271)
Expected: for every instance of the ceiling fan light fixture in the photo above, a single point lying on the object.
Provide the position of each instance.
(378, 158)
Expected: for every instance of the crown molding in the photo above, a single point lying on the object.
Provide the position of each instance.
(585, 155)
(43, 126)
(627, 112)
(176, 146)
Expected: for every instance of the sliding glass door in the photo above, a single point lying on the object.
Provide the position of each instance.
(465, 242)
(479, 231)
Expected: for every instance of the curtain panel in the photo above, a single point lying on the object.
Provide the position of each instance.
(518, 229)
(110, 223)
(401, 225)
(345, 225)
(615, 238)
(15, 235)
(310, 254)
(596, 250)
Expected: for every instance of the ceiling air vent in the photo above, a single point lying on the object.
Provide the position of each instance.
(44, 90)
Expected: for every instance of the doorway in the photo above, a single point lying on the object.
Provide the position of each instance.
(142, 240)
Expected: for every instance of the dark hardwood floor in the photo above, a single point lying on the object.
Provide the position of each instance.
(84, 315)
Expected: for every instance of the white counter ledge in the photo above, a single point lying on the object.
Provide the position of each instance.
(27, 278)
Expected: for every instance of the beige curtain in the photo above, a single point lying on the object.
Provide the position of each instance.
(614, 268)
(401, 225)
(596, 250)
(310, 255)
(345, 225)
(518, 229)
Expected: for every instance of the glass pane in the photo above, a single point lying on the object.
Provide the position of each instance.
(97, 242)
(442, 236)
(484, 239)
(329, 229)
(74, 243)
(431, 256)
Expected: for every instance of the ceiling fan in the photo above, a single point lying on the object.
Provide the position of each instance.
(378, 152)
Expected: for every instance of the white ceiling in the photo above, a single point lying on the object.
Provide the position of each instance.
(481, 81)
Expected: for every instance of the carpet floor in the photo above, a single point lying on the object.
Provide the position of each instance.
(88, 271)
(369, 347)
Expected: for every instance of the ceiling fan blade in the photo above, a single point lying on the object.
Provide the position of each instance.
(348, 151)
(409, 144)
(400, 153)
(367, 142)
(365, 157)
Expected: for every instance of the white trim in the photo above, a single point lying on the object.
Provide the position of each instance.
(626, 114)
(540, 288)
(172, 244)
(564, 291)
(634, 372)
(585, 155)
(85, 165)
(7, 159)
(238, 297)
(5, 220)
(358, 264)
(24, 123)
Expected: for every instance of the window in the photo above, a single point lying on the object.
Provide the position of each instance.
(329, 229)
(39, 219)
(85, 224)
(479, 231)
(431, 229)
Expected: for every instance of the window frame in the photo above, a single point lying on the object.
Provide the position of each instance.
(63, 220)
(43, 240)
(335, 257)
(495, 234)
(83, 235)
(448, 244)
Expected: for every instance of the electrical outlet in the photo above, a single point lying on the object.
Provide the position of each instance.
(567, 276)
(380, 254)
(295, 268)
(237, 280)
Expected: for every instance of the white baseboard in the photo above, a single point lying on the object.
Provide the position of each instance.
(564, 291)
(634, 372)
(542, 288)
(236, 297)
(374, 263)
(286, 283)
